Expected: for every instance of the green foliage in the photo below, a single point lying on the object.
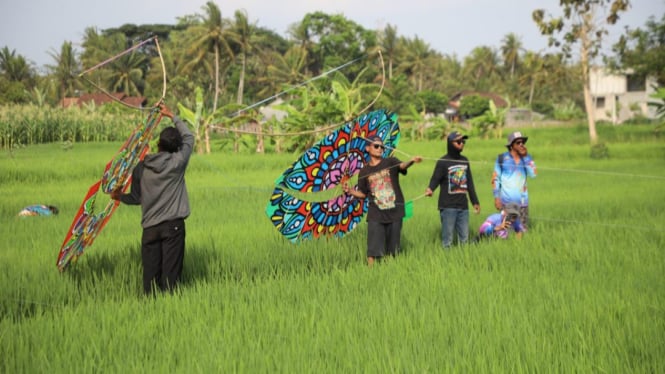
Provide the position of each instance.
(568, 111)
(473, 105)
(433, 101)
(578, 15)
(256, 63)
(12, 92)
(659, 105)
(418, 126)
(491, 121)
(600, 151)
(398, 96)
(22, 125)
(544, 108)
(195, 118)
(339, 40)
(16, 78)
(643, 51)
(349, 98)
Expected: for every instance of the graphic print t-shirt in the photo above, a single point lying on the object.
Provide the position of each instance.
(380, 183)
(457, 179)
(454, 178)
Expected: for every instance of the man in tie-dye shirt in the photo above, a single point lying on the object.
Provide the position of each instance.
(511, 170)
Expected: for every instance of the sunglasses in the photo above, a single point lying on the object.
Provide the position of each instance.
(377, 146)
(519, 142)
(460, 141)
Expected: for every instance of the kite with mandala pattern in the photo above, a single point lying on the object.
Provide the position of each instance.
(326, 165)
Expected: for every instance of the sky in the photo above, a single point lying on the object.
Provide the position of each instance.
(35, 28)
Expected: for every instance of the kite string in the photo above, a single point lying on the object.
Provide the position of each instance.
(114, 98)
(307, 132)
(130, 49)
(262, 189)
(296, 86)
(490, 163)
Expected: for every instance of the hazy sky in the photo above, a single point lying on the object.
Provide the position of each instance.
(35, 27)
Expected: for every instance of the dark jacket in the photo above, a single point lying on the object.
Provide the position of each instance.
(452, 174)
(158, 182)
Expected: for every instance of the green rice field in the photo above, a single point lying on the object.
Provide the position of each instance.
(582, 292)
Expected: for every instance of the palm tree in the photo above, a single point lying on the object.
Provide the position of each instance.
(510, 50)
(300, 34)
(533, 73)
(126, 75)
(210, 37)
(448, 74)
(285, 70)
(548, 77)
(244, 34)
(17, 77)
(389, 43)
(65, 70)
(14, 67)
(95, 47)
(416, 54)
(480, 67)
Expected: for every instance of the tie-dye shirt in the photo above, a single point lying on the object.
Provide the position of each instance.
(487, 228)
(509, 178)
(35, 210)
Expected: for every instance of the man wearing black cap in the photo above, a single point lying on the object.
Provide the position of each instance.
(453, 174)
(378, 180)
(511, 170)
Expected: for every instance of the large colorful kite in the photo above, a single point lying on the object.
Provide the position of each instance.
(90, 218)
(96, 209)
(325, 166)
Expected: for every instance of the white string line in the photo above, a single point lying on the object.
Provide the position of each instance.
(615, 225)
(297, 86)
(539, 167)
(264, 189)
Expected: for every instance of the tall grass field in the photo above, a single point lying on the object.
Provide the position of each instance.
(582, 292)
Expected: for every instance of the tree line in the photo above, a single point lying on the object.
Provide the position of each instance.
(234, 62)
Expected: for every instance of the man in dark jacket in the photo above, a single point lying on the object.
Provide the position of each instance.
(453, 174)
(158, 185)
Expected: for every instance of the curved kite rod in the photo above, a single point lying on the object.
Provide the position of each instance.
(161, 59)
(307, 132)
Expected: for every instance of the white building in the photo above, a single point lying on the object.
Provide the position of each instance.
(620, 96)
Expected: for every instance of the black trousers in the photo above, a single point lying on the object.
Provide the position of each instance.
(383, 239)
(162, 254)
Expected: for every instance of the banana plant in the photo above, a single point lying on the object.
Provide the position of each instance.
(491, 121)
(195, 119)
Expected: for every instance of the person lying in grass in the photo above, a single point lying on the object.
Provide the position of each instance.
(38, 210)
